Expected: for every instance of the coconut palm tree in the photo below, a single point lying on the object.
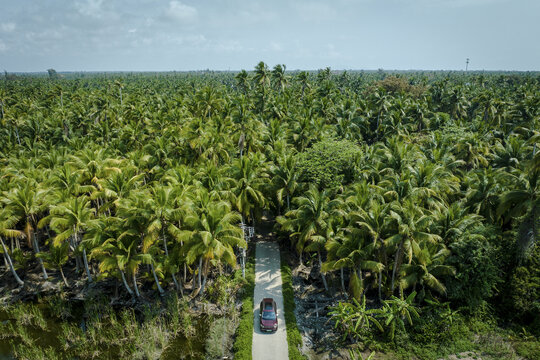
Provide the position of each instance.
(427, 268)
(7, 222)
(311, 217)
(69, 220)
(285, 179)
(249, 172)
(261, 78)
(25, 201)
(56, 257)
(523, 203)
(411, 227)
(214, 235)
(375, 220)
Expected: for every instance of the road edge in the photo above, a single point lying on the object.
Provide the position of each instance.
(294, 338)
(243, 341)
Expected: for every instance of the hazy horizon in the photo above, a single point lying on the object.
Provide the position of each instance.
(221, 35)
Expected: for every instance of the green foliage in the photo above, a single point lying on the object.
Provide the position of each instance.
(477, 273)
(396, 312)
(354, 319)
(220, 335)
(525, 290)
(22, 352)
(124, 179)
(244, 333)
(329, 163)
(294, 339)
(223, 290)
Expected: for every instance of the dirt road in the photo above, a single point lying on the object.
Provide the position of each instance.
(268, 346)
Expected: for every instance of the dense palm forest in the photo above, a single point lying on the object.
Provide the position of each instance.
(416, 190)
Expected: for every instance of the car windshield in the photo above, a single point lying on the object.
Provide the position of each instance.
(269, 315)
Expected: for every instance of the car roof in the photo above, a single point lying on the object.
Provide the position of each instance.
(267, 300)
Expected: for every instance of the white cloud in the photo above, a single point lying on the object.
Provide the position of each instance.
(8, 27)
(132, 31)
(275, 46)
(90, 8)
(228, 46)
(315, 11)
(461, 3)
(3, 46)
(181, 12)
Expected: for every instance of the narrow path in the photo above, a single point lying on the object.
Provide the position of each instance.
(271, 346)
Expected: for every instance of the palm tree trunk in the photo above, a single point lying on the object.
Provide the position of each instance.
(178, 287)
(205, 265)
(135, 285)
(342, 280)
(125, 283)
(243, 258)
(165, 244)
(36, 249)
(160, 289)
(17, 134)
(72, 247)
(200, 271)
(361, 279)
(63, 276)
(380, 286)
(6, 263)
(86, 266)
(323, 277)
(7, 259)
(397, 260)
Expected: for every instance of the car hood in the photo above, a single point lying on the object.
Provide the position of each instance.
(268, 323)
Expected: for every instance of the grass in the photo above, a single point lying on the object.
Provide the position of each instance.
(294, 339)
(244, 333)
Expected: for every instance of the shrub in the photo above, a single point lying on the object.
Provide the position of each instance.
(476, 273)
(329, 163)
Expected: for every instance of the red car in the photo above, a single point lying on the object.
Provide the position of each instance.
(268, 315)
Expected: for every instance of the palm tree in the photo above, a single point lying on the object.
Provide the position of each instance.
(412, 227)
(286, 179)
(310, 220)
(279, 78)
(427, 267)
(7, 222)
(69, 220)
(56, 257)
(242, 81)
(249, 173)
(454, 221)
(303, 79)
(261, 77)
(484, 190)
(524, 204)
(121, 255)
(26, 203)
(375, 220)
(102, 239)
(213, 238)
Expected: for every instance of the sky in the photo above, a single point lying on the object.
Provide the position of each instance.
(164, 35)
